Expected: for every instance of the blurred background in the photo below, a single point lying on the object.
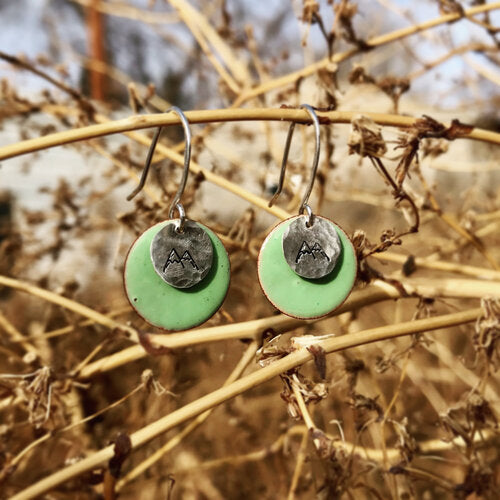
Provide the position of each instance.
(65, 227)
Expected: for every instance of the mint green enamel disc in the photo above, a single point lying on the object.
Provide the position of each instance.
(165, 306)
(301, 297)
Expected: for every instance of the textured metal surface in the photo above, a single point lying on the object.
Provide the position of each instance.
(182, 259)
(311, 252)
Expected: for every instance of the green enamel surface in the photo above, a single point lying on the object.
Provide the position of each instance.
(163, 305)
(301, 297)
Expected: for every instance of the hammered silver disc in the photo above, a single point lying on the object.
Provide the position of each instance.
(182, 259)
(311, 252)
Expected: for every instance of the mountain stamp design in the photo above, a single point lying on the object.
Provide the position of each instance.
(174, 258)
(316, 252)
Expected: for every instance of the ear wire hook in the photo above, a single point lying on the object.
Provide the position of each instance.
(305, 199)
(176, 204)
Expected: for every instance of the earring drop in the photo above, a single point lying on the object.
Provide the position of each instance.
(176, 273)
(307, 265)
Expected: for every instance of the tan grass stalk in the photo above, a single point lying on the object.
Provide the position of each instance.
(71, 305)
(293, 360)
(378, 292)
(16, 336)
(432, 446)
(376, 41)
(245, 360)
(254, 328)
(194, 27)
(299, 464)
(201, 26)
(439, 265)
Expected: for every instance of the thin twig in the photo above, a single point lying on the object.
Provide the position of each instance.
(393, 36)
(245, 360)
(16, 336)
(71, 305)
(439, 265)
(299, 464)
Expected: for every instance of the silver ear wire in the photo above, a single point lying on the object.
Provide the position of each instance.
(176, 204)
(303, 206)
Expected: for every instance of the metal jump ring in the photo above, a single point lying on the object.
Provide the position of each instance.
(182, 216)
(310, 220)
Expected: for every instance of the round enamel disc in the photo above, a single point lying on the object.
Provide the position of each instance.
(163, 305)
(300, 297)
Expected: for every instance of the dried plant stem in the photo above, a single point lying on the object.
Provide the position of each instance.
(431, 446)
(303, 408)
(20, 63)
(15, 461)
(393, 36)
(71, 328)
(200, 28)
(236, 66)
(460, 371)
(451, 221)
(107, 127)
(452, 288)
(254, 456)
(152, 193)
(250, 329)
(469, 47)
(452, 247)
(293, 360)
(71, 305)
(471, 237)
(488, 216)
(395, 396)
(138, 122)
(253, 329)
(299, 464)
(16, 336)
(245, 360)
(483, 70)
(438, 265)
(82, 364)
(306, 416)
(128, 12)
(244, 330)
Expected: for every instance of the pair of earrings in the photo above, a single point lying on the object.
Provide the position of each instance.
(177, 272)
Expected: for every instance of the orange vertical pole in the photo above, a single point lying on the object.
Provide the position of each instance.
(95, 27)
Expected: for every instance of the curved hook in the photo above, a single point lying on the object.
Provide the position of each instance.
(315, 120)
(187, 159)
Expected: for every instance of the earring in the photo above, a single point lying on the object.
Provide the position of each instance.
(307, 264)
(176, 273)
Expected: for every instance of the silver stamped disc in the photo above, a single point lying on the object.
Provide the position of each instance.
(182, 259)
(311, 252)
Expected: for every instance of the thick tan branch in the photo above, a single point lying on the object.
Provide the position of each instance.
(209, 116)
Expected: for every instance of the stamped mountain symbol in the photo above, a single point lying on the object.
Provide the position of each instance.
(174, 258)
(315, 252)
